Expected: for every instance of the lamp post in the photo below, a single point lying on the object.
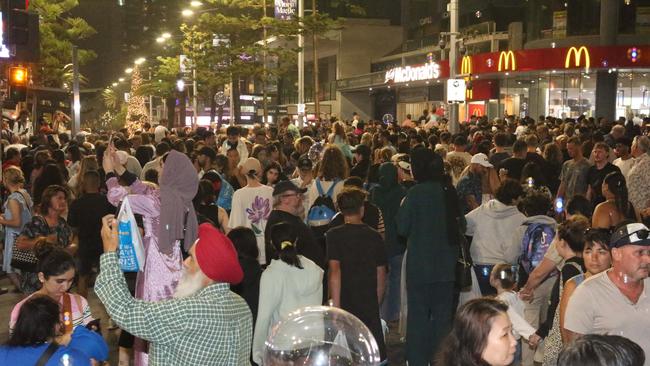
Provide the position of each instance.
(301, 66)
(454, 125)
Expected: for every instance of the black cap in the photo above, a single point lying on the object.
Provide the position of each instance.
(304, 163)
(286, 186)
(209, 152)
(630, 234)
(362, 150)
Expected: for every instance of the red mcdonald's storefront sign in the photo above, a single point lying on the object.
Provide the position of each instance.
(578, 57)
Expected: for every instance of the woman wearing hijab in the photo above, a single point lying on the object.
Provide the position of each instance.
(387, 196)
(169, 219)
(429, 218)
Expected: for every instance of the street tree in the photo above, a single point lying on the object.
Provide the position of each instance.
(59, 31)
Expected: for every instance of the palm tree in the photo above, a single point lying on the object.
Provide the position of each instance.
(111, 98)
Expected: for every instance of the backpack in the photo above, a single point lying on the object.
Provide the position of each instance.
(537, 239)
(322, 211)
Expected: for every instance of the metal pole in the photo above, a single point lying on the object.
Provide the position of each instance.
(76, 106)
(301, 63)
(265, 106)
(454, 126)
(315, 55)
(150, 103)
(195, 120)
(232, 102)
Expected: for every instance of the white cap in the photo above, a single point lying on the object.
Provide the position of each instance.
(481, 159)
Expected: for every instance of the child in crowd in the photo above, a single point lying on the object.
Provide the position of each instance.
(357, 264)
(503, 280)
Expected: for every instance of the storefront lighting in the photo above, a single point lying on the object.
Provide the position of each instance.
(370, 89)
(532, 81)
(507, 73)
(553, 71)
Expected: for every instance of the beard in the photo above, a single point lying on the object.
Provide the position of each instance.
(189, 284)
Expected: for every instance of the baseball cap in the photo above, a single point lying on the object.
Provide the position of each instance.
(631, 234)
(251, 164)
(481, 159)
(286, 186)
(362, 150)
(304, 163)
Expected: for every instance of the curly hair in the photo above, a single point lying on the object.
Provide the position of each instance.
(573, 231)
(333, 164)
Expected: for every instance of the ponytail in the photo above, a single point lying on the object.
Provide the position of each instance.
(284, 240)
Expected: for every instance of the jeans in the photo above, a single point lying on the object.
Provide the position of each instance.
(483, 272)
(390, 306)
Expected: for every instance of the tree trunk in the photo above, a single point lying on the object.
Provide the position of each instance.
(237, 103)
(170, 103)
(213, 106)
(182, 110)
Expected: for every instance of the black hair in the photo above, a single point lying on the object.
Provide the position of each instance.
(75, 152)
(273, 165)
(151, 175)
(144, 154)
(233, 131)
(245, 242)
(580, 205)
(616, 184)
(509, 191)
(91, 179)
(601, 350)
(501, 139)
(353, 182)
(600, 236)
(468, 338)
(535, 203)
(36, 323)
(204, 194)
(519, 146)
(285, 239)
(162, 148)
(52, 260)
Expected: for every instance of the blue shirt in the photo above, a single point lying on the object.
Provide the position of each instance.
(28, 356)
(469, 185)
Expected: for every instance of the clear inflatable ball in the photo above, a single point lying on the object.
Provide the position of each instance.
(320, 336)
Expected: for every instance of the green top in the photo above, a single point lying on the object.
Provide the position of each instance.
(213, 327)
(422, 218)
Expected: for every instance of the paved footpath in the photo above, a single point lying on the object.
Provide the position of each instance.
(8, 300)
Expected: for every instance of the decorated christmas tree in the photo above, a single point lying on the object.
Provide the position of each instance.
(136, 114)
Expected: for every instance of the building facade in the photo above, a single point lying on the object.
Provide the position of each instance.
(540, 57)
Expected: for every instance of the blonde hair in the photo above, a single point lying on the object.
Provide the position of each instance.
(14, 176)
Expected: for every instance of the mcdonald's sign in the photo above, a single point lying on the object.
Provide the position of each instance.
(507, 61)
(466, 65)
(577, 56)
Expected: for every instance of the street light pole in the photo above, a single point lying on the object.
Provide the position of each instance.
(301, 64)
(195, 120)
(454, 126)
(265, 73)
(76, 102)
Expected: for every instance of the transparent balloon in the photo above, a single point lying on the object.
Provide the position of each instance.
(320, 336)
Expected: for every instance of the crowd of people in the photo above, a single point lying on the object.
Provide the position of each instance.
(511, 242)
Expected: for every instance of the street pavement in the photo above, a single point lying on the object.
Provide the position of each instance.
(8, 300)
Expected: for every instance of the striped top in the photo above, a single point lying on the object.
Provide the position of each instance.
(80, 311)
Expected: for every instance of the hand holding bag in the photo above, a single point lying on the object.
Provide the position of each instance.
(131, 252)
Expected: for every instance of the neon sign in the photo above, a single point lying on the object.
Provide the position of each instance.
(405, 74)
(577, 56)
(507, 61)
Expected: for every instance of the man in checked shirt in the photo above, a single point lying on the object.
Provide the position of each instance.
(205, 324)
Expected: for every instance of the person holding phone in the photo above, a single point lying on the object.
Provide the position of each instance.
(56, 272)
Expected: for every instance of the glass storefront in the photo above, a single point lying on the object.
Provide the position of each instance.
(568, 94)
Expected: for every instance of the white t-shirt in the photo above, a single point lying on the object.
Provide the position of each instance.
(516, 314)
(624, 165)
(251, 207)
(598, 307)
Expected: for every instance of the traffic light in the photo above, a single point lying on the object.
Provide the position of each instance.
(18, 79)
(16, 22)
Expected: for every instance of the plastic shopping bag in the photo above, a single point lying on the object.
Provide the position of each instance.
(131, 252)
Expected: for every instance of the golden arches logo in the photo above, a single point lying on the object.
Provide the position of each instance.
(466, 65)
(477, 112)
(577, 56)
(507, 61)
(469, 94)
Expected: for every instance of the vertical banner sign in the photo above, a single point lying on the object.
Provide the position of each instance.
(559, 24)
(285, 9)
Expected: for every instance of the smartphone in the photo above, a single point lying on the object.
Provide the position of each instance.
(559, 205)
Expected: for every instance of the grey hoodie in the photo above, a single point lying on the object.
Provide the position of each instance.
(492, 225)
